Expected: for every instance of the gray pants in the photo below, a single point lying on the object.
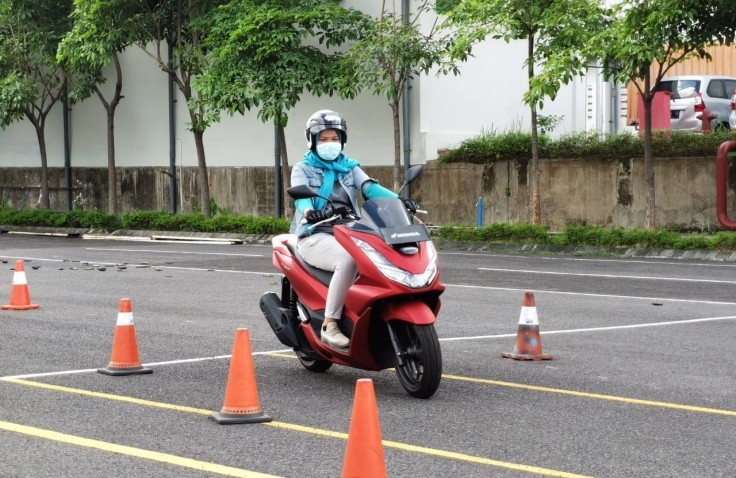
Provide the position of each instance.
(324, 252)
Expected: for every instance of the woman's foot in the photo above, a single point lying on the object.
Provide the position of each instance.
(332, 336)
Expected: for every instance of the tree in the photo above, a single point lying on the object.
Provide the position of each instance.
(173, 22)
(387, 57)
(556, 33)
(31, 81)
(86, 54)
(263, 55)
(645, 38)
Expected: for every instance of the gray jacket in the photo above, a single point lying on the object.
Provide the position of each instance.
(302, 173)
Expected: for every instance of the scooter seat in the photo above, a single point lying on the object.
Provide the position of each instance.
(320, 274)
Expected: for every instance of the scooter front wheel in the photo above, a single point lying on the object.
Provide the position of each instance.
(419, 365)
(313, 364)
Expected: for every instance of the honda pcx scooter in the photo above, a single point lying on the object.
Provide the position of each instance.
(390, 310)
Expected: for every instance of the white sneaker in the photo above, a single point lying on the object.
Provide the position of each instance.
(332, 336)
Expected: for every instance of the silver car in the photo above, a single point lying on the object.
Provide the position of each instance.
(692, 94)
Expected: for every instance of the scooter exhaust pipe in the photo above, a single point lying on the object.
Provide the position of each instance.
(280, 319)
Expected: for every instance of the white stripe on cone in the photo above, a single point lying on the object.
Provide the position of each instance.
(125, 318)
(19, 278)
(528, 316)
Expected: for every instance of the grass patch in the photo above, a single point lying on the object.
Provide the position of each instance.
(593, 236)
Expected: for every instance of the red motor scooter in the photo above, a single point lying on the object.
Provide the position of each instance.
(390, 310)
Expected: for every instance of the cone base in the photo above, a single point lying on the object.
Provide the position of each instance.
(516, 356)
(115, 371)
(231, 418)
(19, 307)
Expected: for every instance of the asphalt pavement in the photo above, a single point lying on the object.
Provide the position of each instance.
(641, 384)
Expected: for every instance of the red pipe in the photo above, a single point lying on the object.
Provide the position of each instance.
(722, 184)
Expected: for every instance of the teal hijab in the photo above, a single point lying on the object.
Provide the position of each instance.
(332, 170)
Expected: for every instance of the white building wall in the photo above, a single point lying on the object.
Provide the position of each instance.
(487, 96)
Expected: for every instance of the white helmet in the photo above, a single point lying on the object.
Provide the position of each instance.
(322, 120)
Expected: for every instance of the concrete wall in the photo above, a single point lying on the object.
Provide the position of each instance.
(593, 192)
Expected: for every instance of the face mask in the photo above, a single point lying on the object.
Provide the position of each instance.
(329, 151)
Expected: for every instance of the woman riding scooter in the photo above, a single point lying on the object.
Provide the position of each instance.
(325, 167)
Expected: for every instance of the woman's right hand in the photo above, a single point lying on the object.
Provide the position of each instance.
(313, 216)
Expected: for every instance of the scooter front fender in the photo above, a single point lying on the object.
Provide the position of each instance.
(412, 311)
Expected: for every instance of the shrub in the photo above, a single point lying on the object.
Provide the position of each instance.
(498, 232)
(514, 145)
(145, 220)
(46, 218)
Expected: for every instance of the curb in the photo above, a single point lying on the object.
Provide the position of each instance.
(262, 239)
(722, 256)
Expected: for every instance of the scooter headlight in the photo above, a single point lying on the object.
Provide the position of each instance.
(396, 274)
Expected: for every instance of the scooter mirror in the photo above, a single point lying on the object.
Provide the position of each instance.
(302, 191)
(410, 175)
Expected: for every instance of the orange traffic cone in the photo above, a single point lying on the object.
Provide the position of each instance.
(241, 396)
(528, 342)
(20, 298)
(124, 359)
(364, 452)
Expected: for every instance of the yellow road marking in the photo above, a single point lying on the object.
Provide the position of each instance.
(131, 451)
(109, 396)
(561, 391)
(434, 452)
(304, 429)
(598, 396)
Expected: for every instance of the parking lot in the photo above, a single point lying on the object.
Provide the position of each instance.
(642, 382)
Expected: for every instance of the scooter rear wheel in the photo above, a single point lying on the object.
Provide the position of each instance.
(419, 367)
(313, 364)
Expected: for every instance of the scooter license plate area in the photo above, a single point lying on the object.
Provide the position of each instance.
(404, 234)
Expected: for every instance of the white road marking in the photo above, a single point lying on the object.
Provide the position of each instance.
(172, 252)
(609, 276)
(447, 339)
(169, 362)
(587, 294)
(623, 261)
(598, 329)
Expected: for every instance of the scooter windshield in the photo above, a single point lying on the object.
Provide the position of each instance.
(387, 218)
(385, 212)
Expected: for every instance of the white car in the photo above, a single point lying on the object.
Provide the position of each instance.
(692, 94)
(732, 116)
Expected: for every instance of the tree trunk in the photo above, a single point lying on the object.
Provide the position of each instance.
(112, 182)
(202, 178)
(536, 201)
(41, 136)
(285, 172)
(397, 142)
(650, 212)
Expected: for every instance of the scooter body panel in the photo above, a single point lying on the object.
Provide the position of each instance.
(372, 302)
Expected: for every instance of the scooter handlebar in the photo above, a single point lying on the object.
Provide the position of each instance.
(341, 212)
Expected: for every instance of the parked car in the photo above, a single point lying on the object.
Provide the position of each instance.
(732, 116)
(692, 94)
